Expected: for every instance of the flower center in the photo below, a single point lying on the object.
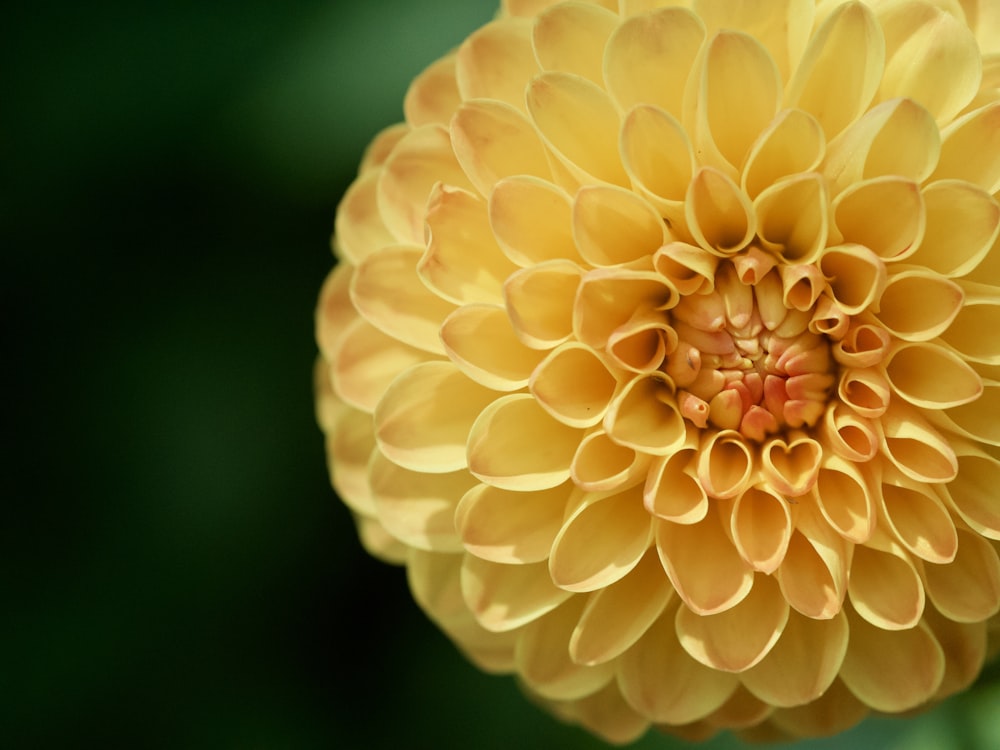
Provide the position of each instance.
(748, 355)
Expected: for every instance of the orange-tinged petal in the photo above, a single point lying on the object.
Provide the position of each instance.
(507, 526)
(505, 597)
(644, 417)
(601, 464)
(433, 96)
(968, 588)
(673, 491)
(761, 525)
(885, 588)
(573, 385)
(612, 226)
(570, 37)
(496, 62)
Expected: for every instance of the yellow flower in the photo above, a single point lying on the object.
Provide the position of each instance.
(664, 351)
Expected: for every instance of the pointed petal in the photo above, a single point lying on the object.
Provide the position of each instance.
(505, 597)
(963, 222)
(968, 588)
(793, 143)
(644, 417)
(433, 96)
(844, 498)
(885, 214)
(918, 304)
(885, 589)
(532, 220)
(658, 159)
(612, 226)
(496, 62)
(570, 38)
(978, 419)
(930, 376)
(718, 214)
(573, 385)
(601, 464)
(540, 302)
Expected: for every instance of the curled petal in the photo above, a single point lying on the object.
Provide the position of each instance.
(844, 498)
(616, 617)
(918, 519)
(540, 302)
(493, 140)
(573, 385)
(610, 297)
(390, 295)
(505, 597)
(761, 526)
(918, 305)
(658, 159)
(543, 660)
(704, 567)
(649, 56)
(885, 214)
(423, 420)
(507, 526)
(613, 226)
(725, 464)
(718, 214)
(970, 149)
(967, 589)
(433, 96)
(840, 70)
(962, 224)
(885, 588)
(659, 679)
(642, 343)
(532, 220)
(856, 276)
(501, 454)
(829, 319)
(793, 143)
(558, 103)
(358, 228)
(866, 391)
(801, 286)
(480, 340)
(571, 38)
(366, 361)
(495, 61)
(850, 435)
(892, 671)
(792, 217)
(738, 638)
(689, 269)
(930, 376)
(673, 491)
(978, 419)
(601, 541)
(813, 574)
(864, 345)
(972, 494)
(644, 416)
(601, 464)
(791, 467)
(803, 664)
(916, 448)
(975, 331)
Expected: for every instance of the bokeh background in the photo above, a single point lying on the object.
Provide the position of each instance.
(175, 571)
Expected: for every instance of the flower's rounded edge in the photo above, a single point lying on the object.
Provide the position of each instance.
(798, 352)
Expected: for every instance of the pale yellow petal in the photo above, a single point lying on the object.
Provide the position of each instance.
(433, 96)
(689, 269)
(643, 416)
(601, 464)
(573, 385)
(532, 220)
(493, 140)
(642, 343)
(761, 525)
(845, 499)
(418, 508)
(892, 671)
(793, 217)
(793, 143)
(962, 224)
(570, 38)
(930, 376)
(738, 638)
(885, 214)
(803, 664)
(501, 453)
(381, 146)
(350, 444)
(673, 491)
(725, 464)
(718, 214)
(505, 597)
(379, 543)
(481, 341)
(970, 149)
(704, 566)
(612, 226)
(367, 361)
(885, 588)
(918, 304)
(558, 103)
(648, 58)
(334, 310)
(968, 588)
(975, 331)
(840, 69)
(864, 345)
(601, 540)
(610, 297)
(423, 420)
(540, 302)
(358, 229)
(856, 276)
(979, 418)
(742, 711)
(543, 659)
(506, 526)
(496, 62)
(972, 494)
(616, 617)
(915, 447)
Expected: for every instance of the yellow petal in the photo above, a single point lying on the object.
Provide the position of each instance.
(367, 361)
(978, 419)
(499, 453)
(379, 543)
(840, 69)
(506, 526)
(350, 444)
(418, 508)
(610, 297)
(613, 226)
(608, 715)
(496, 62)
(540, 302)
(433, 96)
(704, 567)
(573, 385)
(884, 588)
(866, 391)
(387, 291)
(972, 494)
(793, 143)
(480, 340)
(725, 464)
(689, 269)
(423, 420)
(601, 541)
(505, 597)
(931, 57)
(915, 447)
(930, 376)
(532, 220)
(601, 464)
(844, 498)
(648, 58)
(966, 589)
(833, 712)
(919, 520)
(543, 660)
(803, 664)
(334, 310)
(738, 638)
(642, 343)
(792, 217)
(673, 491)
(718, 214)
(970, 149)
(975, 331)
(885, 214)
(892, 671)
(864, 345)
(918, 304)
(643, 416)
(850, 435)
(493, 140)
(741, 711)
(381, 146)
(856, 276)
(662, 682)
(558, 103)
(359, 229)
(761, 526)
(962, 224)
(964, 646)
(616, 617)
(570, 38)
(791, 467)
(463, 262)
(813, 575)
(421, 159)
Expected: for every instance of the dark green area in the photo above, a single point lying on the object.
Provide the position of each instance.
(176, 572)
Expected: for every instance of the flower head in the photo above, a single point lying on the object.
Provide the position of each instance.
(664, 351)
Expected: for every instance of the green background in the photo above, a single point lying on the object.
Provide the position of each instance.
(176, 572)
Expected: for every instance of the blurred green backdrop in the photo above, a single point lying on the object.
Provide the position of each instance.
(177, 572)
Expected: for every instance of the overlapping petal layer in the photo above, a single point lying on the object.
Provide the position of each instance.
(664, 351)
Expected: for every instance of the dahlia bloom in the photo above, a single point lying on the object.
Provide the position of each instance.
(663, 349)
